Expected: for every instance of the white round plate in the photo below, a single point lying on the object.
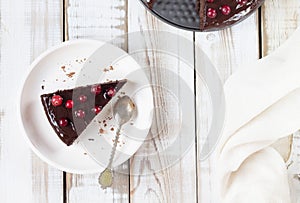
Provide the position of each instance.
(59, 68)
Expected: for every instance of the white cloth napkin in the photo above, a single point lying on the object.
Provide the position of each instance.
(262, 106)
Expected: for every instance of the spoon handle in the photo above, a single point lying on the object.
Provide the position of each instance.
(106, 178)
(113, 152)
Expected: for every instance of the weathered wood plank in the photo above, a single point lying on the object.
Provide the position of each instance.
(280, 18)
(228, 50)
(27, 29)
(102, 20)
(177, 183)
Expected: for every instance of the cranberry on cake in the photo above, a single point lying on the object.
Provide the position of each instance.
(223, 13)
(70, 111)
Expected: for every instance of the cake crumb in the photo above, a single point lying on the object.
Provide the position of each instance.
(105, 70)
(64, 80)
(111, 68)
(112, 129)
(70, 75)
(56, 79)
(63, 68)
(105, 124)
(44, 80)
(101, 131)
(43, 87)
(85, 153)
(91, 139)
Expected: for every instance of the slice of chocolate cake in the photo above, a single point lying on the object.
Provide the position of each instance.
(70, 111)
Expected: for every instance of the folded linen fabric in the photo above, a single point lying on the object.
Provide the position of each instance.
(262, 106)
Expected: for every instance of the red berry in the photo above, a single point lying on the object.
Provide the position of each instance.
(111, 92)
(226, 10)
(96, 89)
(63, 122)
(211, 13)
(241, 2)
(56, 100)
(69, 104)
(80, 114)
(96, 109)
(209, 1)
(82, 98)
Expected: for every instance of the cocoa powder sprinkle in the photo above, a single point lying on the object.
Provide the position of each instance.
(70, 75)
(63, 68)
(101, 131)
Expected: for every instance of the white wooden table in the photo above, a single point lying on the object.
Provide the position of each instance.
(29, 27)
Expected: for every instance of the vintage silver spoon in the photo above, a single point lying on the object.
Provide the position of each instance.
(123, 111)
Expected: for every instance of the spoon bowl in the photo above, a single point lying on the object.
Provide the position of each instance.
(123, 110)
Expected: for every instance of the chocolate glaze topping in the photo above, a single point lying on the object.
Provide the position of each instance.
(82, 113)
